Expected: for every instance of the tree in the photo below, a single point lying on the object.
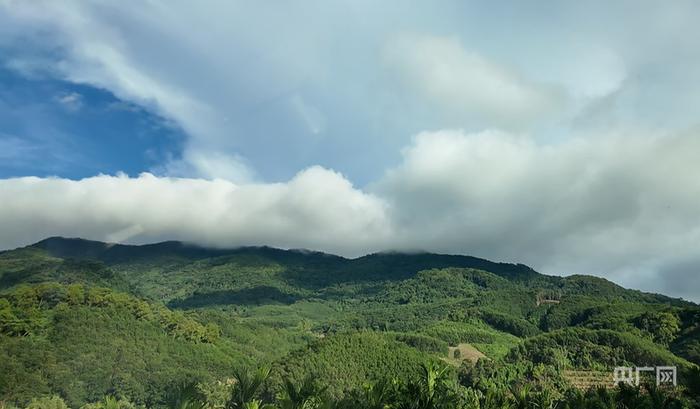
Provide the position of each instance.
(523, 396)
(432, 390)
(662, 326)
(378, 395)
(186, 396)
(308, 395)
(247, 386)
(53, 402)
(110, 402)
(75, 294)
(257, 404)
(494, 399)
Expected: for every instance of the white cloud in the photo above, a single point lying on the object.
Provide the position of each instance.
(124, 234)
(337, 84)
(71, 101)
(588, 71)
(624, 207)
(239, 88)
(108, 57)
(467, 84)
(317, 209)
(309, 114)
(210, 164)
(603, 205)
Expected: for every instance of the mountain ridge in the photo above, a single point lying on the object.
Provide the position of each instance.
(392, 261)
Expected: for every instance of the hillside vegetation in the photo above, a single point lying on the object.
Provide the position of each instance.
(82, 320)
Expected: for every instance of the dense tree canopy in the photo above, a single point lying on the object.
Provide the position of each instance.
(169, 325)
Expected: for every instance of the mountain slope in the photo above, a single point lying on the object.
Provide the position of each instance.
(85, 342)
(304, 270)
(72, 308)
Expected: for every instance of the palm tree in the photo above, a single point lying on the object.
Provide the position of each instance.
(308, 395)
(257, 404)
(378, 395)
(247, 386)
(186, 396)
(630, 397)
(660, 399)
(110, 402)
(494, 399)
(602, 398)
(522, 396)
(432, 390)
(575, 399)
(545, 400)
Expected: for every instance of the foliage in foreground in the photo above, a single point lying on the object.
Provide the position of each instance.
(435, 387)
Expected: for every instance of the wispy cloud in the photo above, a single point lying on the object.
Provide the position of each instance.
(466, 84)
(71, 101)
(463, 65)
(15, 149)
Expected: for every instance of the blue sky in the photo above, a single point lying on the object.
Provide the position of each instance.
(58, 128)
(324, 84)
(558, 134)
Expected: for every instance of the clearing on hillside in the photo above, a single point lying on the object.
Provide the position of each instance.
(463, 352)
(585, 380)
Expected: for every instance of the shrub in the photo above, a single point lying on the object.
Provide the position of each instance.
(53, 402)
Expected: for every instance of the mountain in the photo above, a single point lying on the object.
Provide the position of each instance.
(84, 319)
(387, 265)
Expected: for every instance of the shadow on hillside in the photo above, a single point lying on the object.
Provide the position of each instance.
(394, 266)
(248, 296)
(11, 278)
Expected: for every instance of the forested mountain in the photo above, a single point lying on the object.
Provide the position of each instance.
(80, 320)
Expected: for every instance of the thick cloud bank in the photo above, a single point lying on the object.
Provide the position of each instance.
(260, 91)
(621, 207)
(316, 209)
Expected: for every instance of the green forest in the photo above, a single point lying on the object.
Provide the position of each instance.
(87, 324)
